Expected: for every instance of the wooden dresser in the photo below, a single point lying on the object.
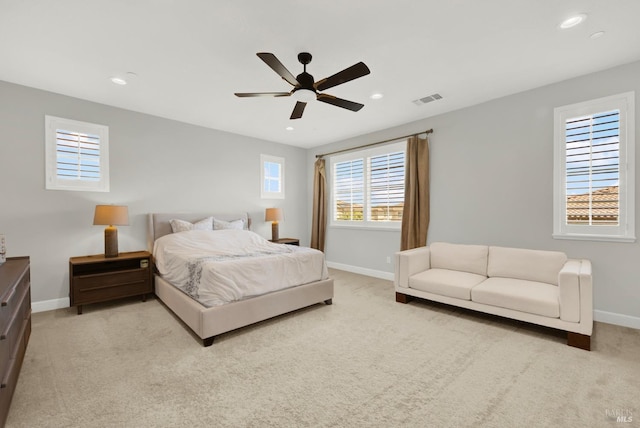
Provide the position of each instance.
(15, 325)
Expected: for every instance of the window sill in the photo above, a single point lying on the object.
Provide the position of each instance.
(603, 238)
(366, 227)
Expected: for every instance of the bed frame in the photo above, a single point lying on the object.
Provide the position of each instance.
(207, 323)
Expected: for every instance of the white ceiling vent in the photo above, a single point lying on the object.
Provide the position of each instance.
(428, 99)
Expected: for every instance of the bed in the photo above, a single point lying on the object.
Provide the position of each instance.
(208, 321)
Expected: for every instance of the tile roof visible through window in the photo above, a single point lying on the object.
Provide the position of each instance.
(604, 206)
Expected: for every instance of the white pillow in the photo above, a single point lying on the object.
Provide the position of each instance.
(182, 226)
(221, 224)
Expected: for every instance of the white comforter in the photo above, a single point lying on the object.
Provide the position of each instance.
(221, 266)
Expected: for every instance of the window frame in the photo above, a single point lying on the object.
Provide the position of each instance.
(55, 182)
(625, 230)
(365, 155)
(265, 194)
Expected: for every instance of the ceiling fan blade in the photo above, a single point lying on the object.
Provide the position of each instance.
(275, 64)
(349, 105)
(262, 94)
(353, 72)
(298, 110)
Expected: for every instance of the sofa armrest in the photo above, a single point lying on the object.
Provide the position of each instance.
(569, 291)
(586, 298)
(410, 262)
(576, 294)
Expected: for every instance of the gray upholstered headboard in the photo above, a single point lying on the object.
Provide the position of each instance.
(159, 222)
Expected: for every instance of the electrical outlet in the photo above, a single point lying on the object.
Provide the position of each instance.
(388, 259)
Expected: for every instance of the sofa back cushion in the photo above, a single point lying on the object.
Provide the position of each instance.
(464, 258)
(531, 265)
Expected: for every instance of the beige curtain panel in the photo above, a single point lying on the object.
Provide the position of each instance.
(319, 221)
(415, 217)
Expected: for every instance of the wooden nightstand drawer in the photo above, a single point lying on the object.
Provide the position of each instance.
(96, 288)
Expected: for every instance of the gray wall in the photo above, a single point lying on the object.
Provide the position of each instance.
(155, 165)
(492, 183)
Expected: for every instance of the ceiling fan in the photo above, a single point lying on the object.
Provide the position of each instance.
(305, 89)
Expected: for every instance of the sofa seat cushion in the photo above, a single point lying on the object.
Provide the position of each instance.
(521, 295)
(446, 282)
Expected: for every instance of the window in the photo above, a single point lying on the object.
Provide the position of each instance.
(272, 177)
(77, 155)
(368, 187)
(594, 170)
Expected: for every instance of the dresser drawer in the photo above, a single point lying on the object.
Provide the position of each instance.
(11, 299)
(96, 288)
(12, 332)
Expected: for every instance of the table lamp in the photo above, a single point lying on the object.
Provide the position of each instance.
(111, 216)
(274, 215)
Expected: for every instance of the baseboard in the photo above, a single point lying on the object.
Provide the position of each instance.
(617, 319)
(600, 316)
(362, 271)
(49, 305)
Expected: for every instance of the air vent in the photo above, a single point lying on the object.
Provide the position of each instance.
(428, 99)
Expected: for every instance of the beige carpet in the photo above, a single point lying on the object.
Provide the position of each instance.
(365, 361)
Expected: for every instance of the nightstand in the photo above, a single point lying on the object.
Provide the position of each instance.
(97, 278)
(288, 241)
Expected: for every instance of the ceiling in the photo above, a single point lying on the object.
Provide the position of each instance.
(190, 56)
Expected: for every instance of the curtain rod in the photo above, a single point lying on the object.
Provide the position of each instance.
(428, 131)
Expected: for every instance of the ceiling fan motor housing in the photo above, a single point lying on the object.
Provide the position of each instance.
(306, 81)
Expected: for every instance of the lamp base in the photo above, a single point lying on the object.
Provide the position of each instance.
(111, 241)
(274, 231)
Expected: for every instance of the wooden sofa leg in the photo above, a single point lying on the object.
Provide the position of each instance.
(328, 302)
(579, 340)
(208, 341)
(402, 298)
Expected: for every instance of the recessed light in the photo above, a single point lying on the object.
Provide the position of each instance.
(597, 35)
(376, 96)
(289, 128)
(573, 21)
(118, 81)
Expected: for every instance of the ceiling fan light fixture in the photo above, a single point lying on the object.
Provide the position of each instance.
(304, 95)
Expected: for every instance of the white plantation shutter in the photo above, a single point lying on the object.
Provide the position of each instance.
(77, 155)
(348, 190)
(594, 170)
(386, 187)
(368, 187)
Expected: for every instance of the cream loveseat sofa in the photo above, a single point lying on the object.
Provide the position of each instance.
(541, 287)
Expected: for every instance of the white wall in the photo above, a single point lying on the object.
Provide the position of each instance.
(492, 183)
(156, 165)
